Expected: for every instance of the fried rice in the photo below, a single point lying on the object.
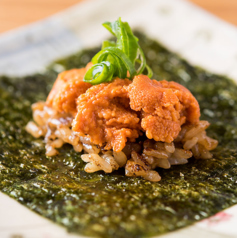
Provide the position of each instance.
(139, 158)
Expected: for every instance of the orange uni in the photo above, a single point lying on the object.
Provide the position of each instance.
(112, 113)
(67, 88)
(164, 107)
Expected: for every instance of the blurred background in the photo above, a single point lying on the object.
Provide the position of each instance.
(15, 13)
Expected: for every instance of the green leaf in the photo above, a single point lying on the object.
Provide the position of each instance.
(116, 59)
(132, 43)
(99, 73)
(126, 41)
(107, 43)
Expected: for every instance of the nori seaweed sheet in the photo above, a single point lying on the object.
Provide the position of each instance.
(112, 205)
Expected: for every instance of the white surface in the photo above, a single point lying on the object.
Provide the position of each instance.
(197, 36)
(17, 221)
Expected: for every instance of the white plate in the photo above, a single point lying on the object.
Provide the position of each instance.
(197, 36)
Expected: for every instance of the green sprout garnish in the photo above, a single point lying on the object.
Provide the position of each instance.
(117, 59)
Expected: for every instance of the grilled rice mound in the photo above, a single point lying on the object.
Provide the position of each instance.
(107, 123)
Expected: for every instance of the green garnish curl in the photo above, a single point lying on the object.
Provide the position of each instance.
(117, 59)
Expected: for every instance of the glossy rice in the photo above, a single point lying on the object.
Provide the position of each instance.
(138, 158)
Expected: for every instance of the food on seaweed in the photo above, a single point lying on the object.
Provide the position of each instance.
(159, 119)
(103, 117)
(111, 114)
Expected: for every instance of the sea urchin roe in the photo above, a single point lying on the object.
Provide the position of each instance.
(164, 106)
(103, 113)
(111, 113)
(66, 89)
